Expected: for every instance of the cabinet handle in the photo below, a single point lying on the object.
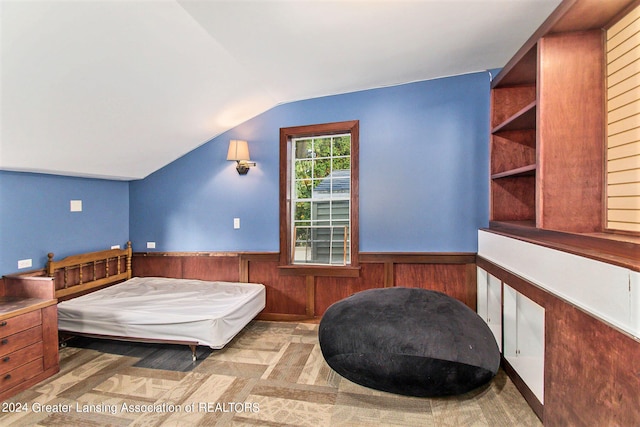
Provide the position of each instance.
(7, 377)
(4, 341)
(6, 359)
(4, 323)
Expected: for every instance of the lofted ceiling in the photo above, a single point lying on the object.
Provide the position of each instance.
(119, 88)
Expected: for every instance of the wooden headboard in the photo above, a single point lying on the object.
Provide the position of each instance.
(78, 274)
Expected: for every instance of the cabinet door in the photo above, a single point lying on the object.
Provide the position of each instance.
(494, 317)
(524, 339)
(482, 283)
(490, 303)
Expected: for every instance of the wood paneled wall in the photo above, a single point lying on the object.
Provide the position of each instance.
(297, 297)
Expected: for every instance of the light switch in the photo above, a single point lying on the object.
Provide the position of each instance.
(236, 223)
(76, 205)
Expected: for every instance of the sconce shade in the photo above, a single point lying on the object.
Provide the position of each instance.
(238, 150)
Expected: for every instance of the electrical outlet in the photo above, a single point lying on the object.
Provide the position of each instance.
(236, 223)
(25, 263)
(151, 245)
(115, 247)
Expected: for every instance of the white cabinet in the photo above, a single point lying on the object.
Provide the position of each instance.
(490, 303)
(523, 329)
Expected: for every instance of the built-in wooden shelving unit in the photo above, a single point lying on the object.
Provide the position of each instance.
(547, 195)
(547, 123)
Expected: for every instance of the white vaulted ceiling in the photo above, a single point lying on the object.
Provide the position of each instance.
(119, 88)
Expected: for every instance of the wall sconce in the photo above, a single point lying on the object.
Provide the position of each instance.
(239, 151)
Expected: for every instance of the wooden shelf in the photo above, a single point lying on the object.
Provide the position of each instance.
(528, 170)
(523, 119)
(521, 70)
(602, 247)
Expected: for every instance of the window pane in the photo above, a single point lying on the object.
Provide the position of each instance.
(322, 168)
(342, 145)
(302, 211)
(303, 169)
(341, 187)
(340, 212)
(304, 149)
(303, 189)
(322, 147)
(341, 163)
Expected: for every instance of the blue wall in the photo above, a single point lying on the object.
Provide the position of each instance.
(423, 174)
(35, 218)
(423, 183)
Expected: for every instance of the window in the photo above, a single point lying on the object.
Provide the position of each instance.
(319, 195)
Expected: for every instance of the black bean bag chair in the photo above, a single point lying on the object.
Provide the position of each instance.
(408, 341)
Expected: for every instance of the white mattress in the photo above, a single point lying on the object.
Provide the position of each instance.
(158, 308)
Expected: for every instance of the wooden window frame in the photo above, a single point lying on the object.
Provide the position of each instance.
(286, 135)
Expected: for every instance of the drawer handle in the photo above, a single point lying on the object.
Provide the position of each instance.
(4, 341)
(4, 323)
(7, 377)
(6, 359)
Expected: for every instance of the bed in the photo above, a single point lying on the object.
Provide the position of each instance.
(99, 298)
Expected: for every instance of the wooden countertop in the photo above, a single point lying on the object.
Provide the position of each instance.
(13, 306)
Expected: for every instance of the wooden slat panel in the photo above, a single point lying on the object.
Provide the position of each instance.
(623, 61)
(631, 202)
(623, 112)
(630, 72)
(624, 28)
(622, 87)
(624, 177)
(623, 123)
(624, 47)
(623, 226)
(623, 138)
(631, 163)
(624, 98)
(618, 190)
(625, 150)
(619, 215)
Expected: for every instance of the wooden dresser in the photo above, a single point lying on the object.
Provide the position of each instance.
(28, 343)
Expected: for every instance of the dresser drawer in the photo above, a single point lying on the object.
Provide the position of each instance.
(21, 374)
(25, 355)
(20, 340)
(20, 323)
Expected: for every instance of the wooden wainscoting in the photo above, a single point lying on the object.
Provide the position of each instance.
(299, 297)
